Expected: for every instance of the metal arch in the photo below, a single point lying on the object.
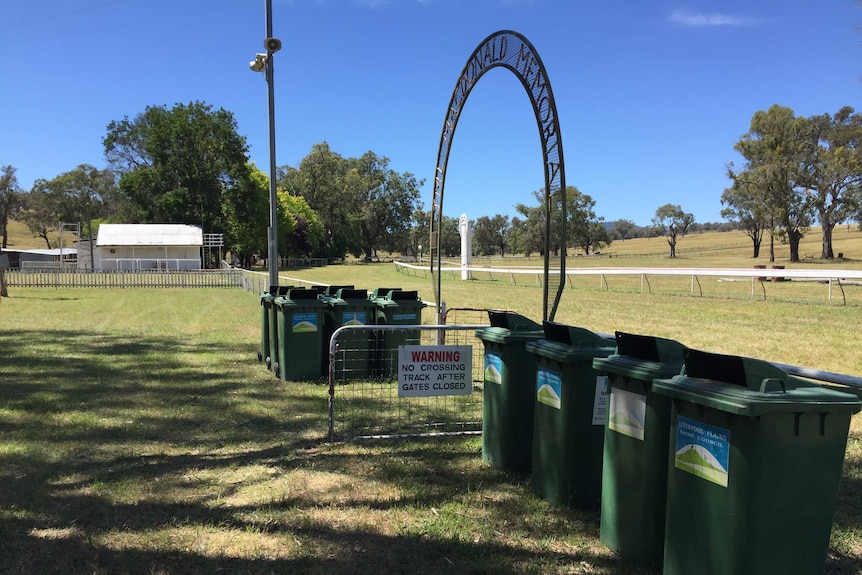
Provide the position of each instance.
(510, 50)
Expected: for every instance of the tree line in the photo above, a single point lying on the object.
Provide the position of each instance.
(797, 171)
(189, 164)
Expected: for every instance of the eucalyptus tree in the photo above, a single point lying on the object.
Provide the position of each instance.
(673, 223)
(745, 209)
(78, 196)
(834, 167)
(11, 201)
(491, 234)
(623, 229)
(777, 148)
(364, 205)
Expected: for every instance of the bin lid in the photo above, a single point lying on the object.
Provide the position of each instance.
(381, 292)
(353, 297)
(643, 357)
(504, 335)
(567, 343)
(565, 353)
(509, 327)
(511, 321)
(573, 336)
(400, 298)
(798, 396)
(299, 296)
(747, 386)
(332, 290)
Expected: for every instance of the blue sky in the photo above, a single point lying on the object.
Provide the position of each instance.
(651, 95)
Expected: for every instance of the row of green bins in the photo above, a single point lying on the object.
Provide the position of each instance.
(634, 473)
(300, 316)
(507, 408)
(395, 307)
(349, 307)
(569, 412)
(755, 460)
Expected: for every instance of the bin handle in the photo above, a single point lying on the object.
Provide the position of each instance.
(769, 381)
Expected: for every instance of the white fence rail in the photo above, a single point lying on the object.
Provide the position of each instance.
(123, 278)
(757, 276)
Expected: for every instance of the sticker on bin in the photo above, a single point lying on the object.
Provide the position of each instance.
(353, 318)
(304, 322)
(703, 450)
(493, 368)
(627, 413)
(403, 316)
(432, 370)
(548, 388)
(600, 401)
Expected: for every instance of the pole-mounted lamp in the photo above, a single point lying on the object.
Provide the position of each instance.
(263, 62)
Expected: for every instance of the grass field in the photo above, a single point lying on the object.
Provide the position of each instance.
(140, 435)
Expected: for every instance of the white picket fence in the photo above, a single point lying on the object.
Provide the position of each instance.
(47, 277)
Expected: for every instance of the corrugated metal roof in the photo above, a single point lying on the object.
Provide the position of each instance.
(45, 252)
(149, 235)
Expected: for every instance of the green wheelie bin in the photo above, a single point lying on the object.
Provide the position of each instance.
(507, 406)
(349, 307)
(395, 307)
(570, 408)
(271, 311)
(634, 471)
(300, 335)
(754, 465)
(266, 307)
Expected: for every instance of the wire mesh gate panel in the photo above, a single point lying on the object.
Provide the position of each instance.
(364, 399)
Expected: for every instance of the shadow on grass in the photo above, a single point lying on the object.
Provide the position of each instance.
(134, 455)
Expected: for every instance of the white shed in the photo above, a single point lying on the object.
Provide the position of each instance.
(145, 246)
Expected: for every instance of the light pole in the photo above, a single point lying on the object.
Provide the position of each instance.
(264, 63)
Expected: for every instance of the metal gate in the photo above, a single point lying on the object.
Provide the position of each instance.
(364, 399)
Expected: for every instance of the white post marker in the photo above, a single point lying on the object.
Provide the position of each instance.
(431, 370)
(466, 245)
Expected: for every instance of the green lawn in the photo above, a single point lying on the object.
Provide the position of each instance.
(139, 434)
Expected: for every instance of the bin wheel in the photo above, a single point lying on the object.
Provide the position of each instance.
(275, 370)
(259, 356)
(268, 363)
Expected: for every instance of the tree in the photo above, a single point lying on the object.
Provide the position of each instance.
(178, 165)
(11, 201)
(319, 180)
(450, 237)
(528, 233)
(420, 234)
(585, 230)
(745, 208)
(42, 215)
(777, 148)
(673, 223)
(363, 204)
(491, 234)
(623, 229)
(834, 171)
(76, 196)
(246, 216)
(299, 226)
(384, 202)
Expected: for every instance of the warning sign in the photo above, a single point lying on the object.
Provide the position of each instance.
(429, 370)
